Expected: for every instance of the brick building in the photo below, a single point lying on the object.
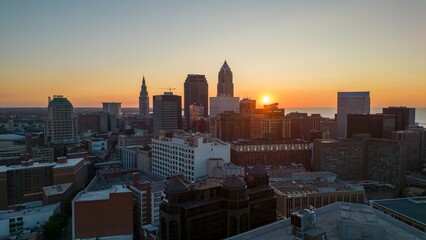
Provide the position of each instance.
(24, 183)
(271, 152)
(146, 204)
(70, 171)
(103, 213)
(211, 209)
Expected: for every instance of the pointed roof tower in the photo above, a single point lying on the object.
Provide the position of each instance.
(225, 67)
(143, 99)
(225, 86)
(143, 87)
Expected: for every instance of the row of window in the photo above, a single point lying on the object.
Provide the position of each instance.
(272, 147)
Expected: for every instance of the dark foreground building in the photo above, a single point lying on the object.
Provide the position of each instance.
(211, 209)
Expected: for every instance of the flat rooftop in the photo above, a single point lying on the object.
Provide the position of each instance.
(11, 137)
(56, 189)
(414, 208)
(20, 167)
(268, 141)
(28, 211)
(105, 183)
(190, 139)
(71, 162)
(100, 195)
(327, 219)
(310, 183)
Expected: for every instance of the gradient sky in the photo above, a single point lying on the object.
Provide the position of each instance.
(300, 53)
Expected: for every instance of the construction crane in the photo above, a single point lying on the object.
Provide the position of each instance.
(169, 88)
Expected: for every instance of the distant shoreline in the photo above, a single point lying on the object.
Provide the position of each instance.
(325, 112)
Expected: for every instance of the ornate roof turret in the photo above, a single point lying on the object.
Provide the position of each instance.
(234, 183)
(176, 185)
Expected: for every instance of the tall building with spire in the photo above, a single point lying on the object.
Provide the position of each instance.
(143, 100)
(225, 86)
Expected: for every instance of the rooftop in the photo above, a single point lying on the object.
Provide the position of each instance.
(59, 100)
(11, 137)
(100, 195)
(20, 167)
(190, 139)
(234, 182)
(311, 182)
(414, 208)
(268, 141)
(56, 189)
(70, 163)
(28, 211)
(327, 218)
(353, 94)
(104, 183)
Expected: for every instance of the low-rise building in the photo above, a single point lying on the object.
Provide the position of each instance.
(98, 146)
(60, 193)
(411, 211)
(313, 189)
(25, 223)
(24, 183)
(42, 154)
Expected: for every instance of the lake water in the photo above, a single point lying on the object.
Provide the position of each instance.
(329, 112)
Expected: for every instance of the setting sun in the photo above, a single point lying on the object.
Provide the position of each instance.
(266, 99)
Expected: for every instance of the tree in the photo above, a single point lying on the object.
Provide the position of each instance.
(53, 227)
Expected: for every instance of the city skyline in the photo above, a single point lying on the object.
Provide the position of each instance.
(298, 54)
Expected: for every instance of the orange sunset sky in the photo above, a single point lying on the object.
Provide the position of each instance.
(299, 53)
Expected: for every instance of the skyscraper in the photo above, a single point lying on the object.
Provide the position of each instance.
(404, 117)
(112, 108)
(247, 107)
(60, 126)
(225, 100)
(225, 86)
(167, 112)
(350, 103)
(195, 92)
(110, 115)
(143, 100)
